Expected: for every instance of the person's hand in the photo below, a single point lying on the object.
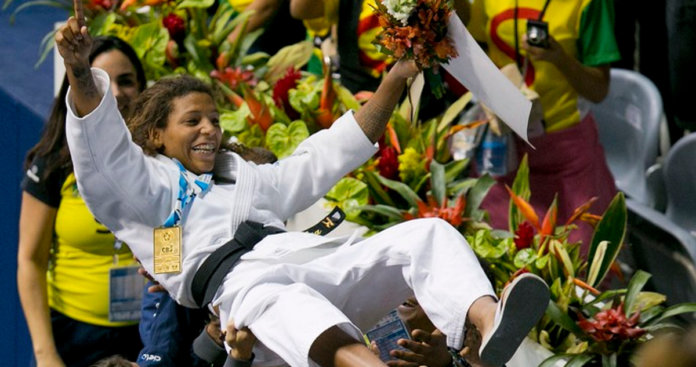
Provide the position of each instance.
(404, 69)
(240, 341)
(554, 54)
(472, 343)
(73, 40)
(155, 287)
(426, 348)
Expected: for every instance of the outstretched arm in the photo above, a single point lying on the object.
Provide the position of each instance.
(74, 44)
(374, 115)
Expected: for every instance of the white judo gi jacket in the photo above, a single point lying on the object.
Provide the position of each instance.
(300, 273)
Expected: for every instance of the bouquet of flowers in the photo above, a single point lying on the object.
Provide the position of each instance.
(417, 30)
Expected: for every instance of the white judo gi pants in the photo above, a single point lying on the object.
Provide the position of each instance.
(287, 306)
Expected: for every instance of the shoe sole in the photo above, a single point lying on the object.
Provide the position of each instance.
(525, 303)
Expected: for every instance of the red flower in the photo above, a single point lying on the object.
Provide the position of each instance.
(524, 235)
(612, 324)
(233, 77)
(99, 4)
(281, 89)
(175, 25)
(453, 215)
(388, 163)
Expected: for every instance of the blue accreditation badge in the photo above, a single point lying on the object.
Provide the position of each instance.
(125, 293)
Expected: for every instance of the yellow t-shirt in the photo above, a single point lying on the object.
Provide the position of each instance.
(583, 28)
(83, 253)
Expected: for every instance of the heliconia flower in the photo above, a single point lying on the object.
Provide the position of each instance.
(176, 26)
(260, 112)
(524, 236)
(525, 208)
(612, 324)
(234, 77)
(453, 215)
(325, 117)
(281, 89)
(388, 163)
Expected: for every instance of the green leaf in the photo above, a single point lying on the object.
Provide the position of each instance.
(437, 182)
(252, 137)
(560, 251)
(282, 140)
(609, 360)
(150, 43)
(200, 57)
(402, 189)
(295, 56)
(611, 228)
(455, 168)
(524, 257)
(634, 287)
(453, 111)
(378, 194)
(597, 262)
(562, 319)
(101, 24)
(477, 193)
(233, 122)
(392, 213)
(551, 361)
(675, 310)
(195, 4)
(580, 360)
(347, 98)
(648, 300)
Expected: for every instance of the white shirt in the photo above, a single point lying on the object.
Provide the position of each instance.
(132, 193)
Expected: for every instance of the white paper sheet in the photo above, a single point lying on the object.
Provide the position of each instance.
(475, 70)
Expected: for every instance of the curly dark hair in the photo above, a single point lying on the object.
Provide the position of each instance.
(153, 106)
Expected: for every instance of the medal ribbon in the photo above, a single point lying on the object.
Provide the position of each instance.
(190, 186)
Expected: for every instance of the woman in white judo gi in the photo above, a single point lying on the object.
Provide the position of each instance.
(305, 297)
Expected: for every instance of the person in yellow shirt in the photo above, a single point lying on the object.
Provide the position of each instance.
(361, 64)
(65, 255)
(568, 74)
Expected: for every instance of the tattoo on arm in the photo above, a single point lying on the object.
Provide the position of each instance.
(373, 120)
(85, 81)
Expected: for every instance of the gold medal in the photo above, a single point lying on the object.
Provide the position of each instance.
(167, 250)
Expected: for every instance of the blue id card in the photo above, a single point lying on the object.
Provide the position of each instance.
(386, 333)
(125, 293)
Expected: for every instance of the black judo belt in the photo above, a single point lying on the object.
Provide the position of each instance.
(210, 274)
(215, 267)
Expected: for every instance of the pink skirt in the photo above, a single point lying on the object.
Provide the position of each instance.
(569, 163)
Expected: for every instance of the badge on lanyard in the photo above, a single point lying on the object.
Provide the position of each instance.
(167, 250)
(167, 239)
(125, 291)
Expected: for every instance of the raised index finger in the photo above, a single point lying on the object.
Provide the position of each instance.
(79, 13)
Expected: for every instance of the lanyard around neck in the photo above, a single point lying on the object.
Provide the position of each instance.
(190, 185)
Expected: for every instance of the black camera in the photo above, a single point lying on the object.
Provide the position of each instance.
(538, 33)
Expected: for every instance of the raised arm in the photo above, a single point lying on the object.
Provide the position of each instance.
(375, 114)
(74, 44)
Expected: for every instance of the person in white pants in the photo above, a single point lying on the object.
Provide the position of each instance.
(305, 296)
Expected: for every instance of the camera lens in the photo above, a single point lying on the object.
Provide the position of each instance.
(534, 35)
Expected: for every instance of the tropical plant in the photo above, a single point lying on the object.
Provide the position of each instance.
(582, 325)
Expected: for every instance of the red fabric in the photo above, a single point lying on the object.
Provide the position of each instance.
(569, 162)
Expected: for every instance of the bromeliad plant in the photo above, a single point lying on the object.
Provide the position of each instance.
(582, 326)
(413, 176)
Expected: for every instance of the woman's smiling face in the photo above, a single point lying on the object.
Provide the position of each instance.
(192, 134)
